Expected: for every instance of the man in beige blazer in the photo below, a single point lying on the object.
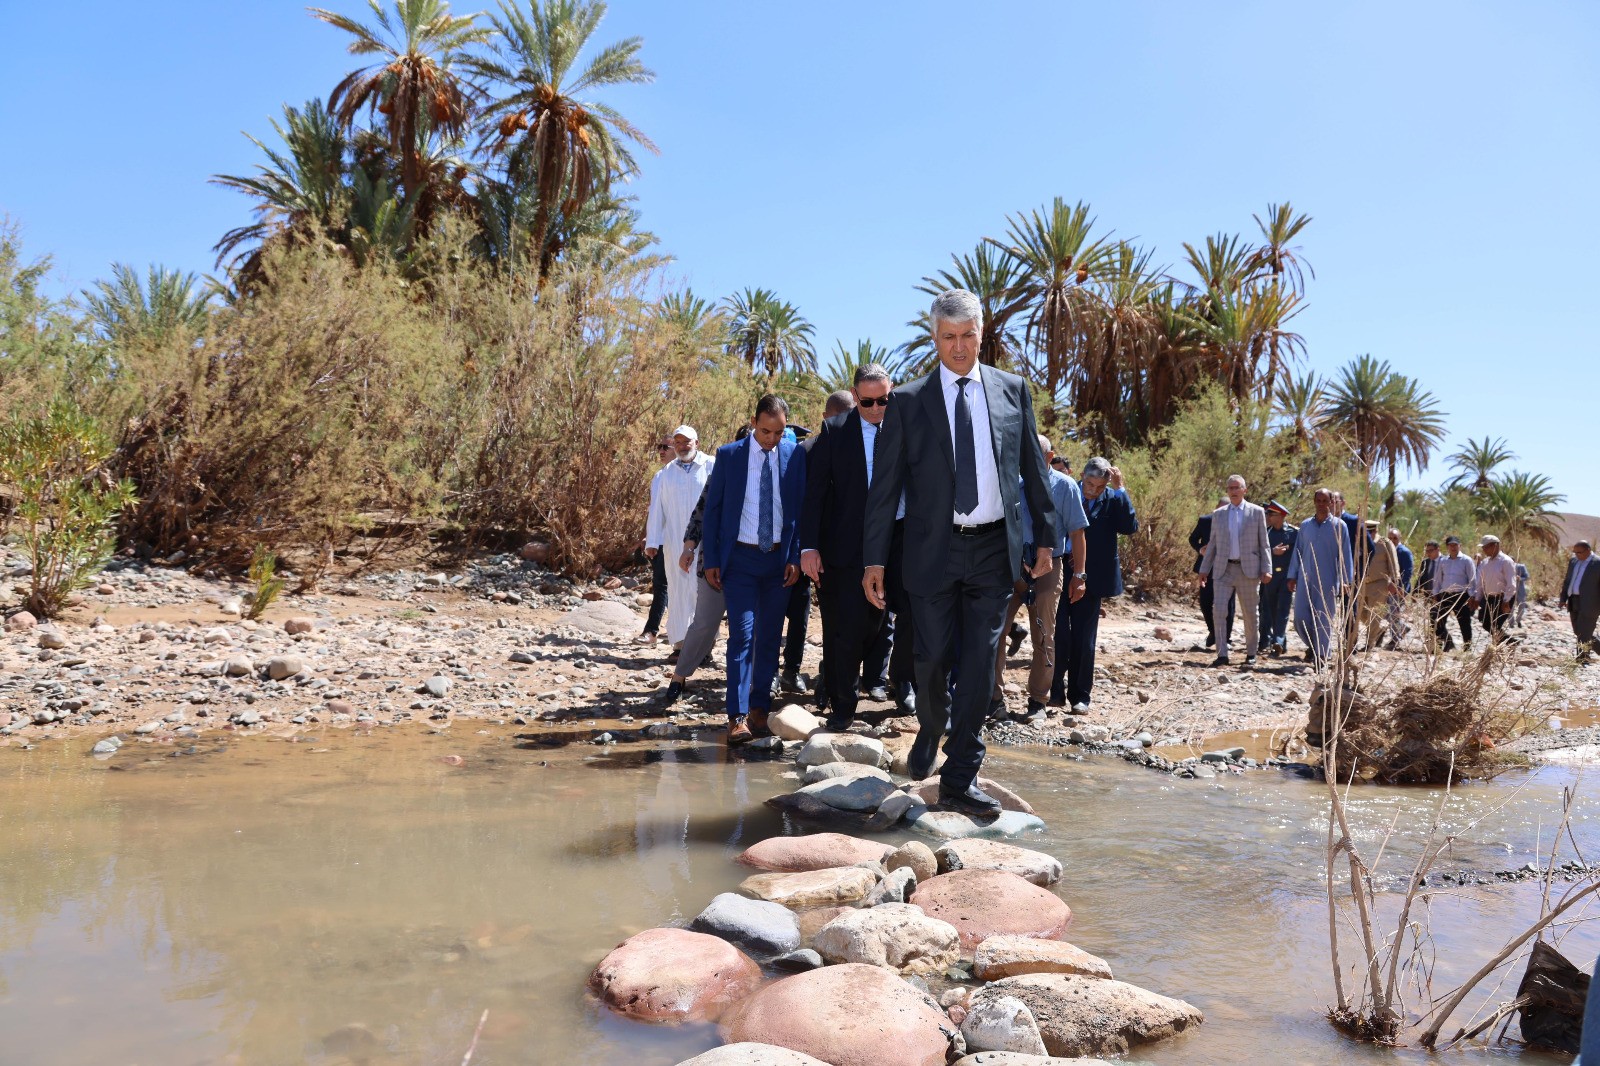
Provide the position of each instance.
(1238, 559)
(1379, 583)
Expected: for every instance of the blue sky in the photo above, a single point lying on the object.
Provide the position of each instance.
(837, 152)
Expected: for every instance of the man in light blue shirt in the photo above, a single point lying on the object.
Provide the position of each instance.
(1044, 595)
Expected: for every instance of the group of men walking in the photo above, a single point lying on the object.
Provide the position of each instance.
(926, 516)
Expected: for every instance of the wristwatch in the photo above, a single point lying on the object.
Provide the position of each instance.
(1081, 577)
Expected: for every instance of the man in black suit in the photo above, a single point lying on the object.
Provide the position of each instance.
(1580, 595)
(838, 473)
(962, 445)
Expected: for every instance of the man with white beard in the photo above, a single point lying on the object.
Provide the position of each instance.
(679, 490)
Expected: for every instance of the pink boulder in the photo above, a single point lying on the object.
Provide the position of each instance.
(295, 626)
(535, 551)
(819, 851)
(673, 975)
(846, 1015)
(986, 903)
(928, 792)
(21, 622)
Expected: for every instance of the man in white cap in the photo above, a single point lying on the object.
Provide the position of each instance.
(1495, 586)
(681, 483)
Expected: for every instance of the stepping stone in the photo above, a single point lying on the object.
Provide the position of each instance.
(986, 903)
(812, 888)
(748, 1054)
(1009, 956)
(815, 851)
(851, 793)
(673, 975)
(978, 854)
(1093, 1016)
(896, 935)
(842, 747)
(753, 924)
(927, 790)
(953, 825)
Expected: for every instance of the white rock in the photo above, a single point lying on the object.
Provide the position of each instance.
(793, 722)
(842, 747)
(1002, 1024)
(897, 935)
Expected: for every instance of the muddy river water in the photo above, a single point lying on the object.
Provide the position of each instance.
(364, 899)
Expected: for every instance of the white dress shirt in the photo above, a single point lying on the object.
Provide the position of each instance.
(869, 443)
(989, 508)
(750, 513)
(1578, 567)
(1496, 577)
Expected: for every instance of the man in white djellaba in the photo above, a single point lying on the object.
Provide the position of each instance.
(682, 481)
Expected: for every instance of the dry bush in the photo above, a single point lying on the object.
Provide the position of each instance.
(289, 419)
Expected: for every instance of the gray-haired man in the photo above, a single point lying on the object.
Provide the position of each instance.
(1238, 559)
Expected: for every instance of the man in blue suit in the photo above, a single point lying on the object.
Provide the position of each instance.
(752, 553)
(1111, 515)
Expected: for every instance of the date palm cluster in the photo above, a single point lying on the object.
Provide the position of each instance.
(489, 118)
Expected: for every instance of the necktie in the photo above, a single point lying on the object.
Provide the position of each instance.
(764, 519)
(872, 453)
(966, 453)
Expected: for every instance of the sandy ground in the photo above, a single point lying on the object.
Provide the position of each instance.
(156, 652)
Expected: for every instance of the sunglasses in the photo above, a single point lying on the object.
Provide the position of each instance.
(665, 448)
(870, 401)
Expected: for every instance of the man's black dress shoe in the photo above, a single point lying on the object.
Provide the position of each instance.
(877, 694)
(972, 800)
(837, 724)
(674, 691)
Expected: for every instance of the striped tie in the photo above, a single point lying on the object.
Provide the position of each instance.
(764, 520)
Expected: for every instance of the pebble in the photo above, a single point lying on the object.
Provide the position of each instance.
(282, 667)
(51, 639)
(438, 686)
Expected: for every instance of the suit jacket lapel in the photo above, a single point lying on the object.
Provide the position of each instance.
(933, 401)
(737, 482)
(857, 435)
(991, 399)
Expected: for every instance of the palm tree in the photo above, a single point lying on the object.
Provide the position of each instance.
(297, 190)
(1477, 460)
(689, 312)
(995, 277)
(839, 372)
(164, 304)
(571, 147)
(412, 83)
(1520, 506)
(1278, 262)
(766, 330)
(1057, 254)
(1299, 403)
(1118, 374)
(1385, 417)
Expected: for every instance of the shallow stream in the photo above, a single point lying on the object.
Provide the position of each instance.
(364, 899)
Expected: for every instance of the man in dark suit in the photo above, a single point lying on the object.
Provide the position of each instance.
(1110, 514)
(1580, 595)
(1199, 537)
(752, 553)
(839, 469)
(962, 445)
(1275, 596)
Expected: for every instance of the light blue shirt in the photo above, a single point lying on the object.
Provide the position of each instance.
(750, 513)
(869, 443)
(1067, 499)
(1455, 575)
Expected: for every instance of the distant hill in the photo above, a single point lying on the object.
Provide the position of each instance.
(1579, 527)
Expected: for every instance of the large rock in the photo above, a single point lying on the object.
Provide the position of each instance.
(927, 790)
(296, 626)
(747, 1054)
(817, 851)
(812, 888)
(1002, 1023)
(793, 722)
(893, 810)
(846, 1015)
(753, 924)
(807, 808)
(282, 667)
(916, 855)
(1091, 1016)
(842, 747)
(21, 622)
(830, 770)
(953, 825)
(896, 935)
(979, 854)
(605, 618)
(673, 975)
(985, 903)
(51, 638)
(1007, 956)
(851, 793)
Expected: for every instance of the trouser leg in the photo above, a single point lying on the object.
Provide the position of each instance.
(658, 591)
(1013, 605)
(798, 616)
(1084, 619)
(1047, 593)
(709, 607)
(741, 589)
(985, 590)
(1207, 602)
(848, 621)
(880, 645)
(903, 642)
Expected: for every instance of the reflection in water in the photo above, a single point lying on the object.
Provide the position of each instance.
(360, 900)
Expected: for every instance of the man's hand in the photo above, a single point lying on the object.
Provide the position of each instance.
(1042, 563)
(1279, 549)
(1474, 603)
(714, 577)
(811, 563)
(791, 574)
(872, 585)
(1200, 580)
(1266, 578)
(651, 553)
(1076, 587)
(686, 560)
(1115, 480)
(1290, 583)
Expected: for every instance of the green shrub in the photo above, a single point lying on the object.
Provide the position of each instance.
(65, 503)
(263, 575)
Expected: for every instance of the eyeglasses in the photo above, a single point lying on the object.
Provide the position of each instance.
(874, 401)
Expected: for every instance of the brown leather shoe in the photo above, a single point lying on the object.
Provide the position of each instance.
(758, 722)
(739, 732)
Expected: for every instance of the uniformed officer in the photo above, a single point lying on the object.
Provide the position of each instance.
(1275, 595)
